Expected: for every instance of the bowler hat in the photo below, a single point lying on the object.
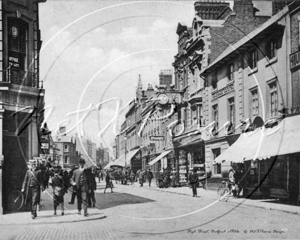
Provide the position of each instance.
(81, 160)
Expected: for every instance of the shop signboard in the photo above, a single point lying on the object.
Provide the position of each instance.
(16, 60)
(223, 91)
(157, 138)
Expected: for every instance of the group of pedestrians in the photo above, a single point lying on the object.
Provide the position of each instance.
(142, 175)
(81, 182)
(165, 179)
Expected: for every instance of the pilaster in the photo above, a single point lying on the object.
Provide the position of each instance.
(1, 156)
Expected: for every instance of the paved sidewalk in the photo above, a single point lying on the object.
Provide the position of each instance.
(47, 217)
(270, 204)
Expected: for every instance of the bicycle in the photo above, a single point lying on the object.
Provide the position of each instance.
(224, 191)
(15, 200)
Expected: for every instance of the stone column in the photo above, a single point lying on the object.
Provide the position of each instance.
(1, 154)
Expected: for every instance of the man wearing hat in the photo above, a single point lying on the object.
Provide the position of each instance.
(32, 183)
(80, 179)
(193, 181)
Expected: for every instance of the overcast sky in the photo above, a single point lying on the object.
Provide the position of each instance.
(94, 51)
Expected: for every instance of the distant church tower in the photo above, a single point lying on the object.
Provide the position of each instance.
(139, 89)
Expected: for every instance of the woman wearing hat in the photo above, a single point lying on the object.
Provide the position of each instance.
(58, 186)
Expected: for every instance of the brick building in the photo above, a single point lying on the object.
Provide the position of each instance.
(66, 146)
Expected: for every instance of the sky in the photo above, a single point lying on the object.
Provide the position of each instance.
(93, 51)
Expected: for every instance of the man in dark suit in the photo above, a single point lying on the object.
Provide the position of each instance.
(81, 180)
(193, 181)
(32, 183)
(149, 176)
(93, 186)
(72, 188)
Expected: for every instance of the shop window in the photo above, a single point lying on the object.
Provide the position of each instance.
(279, 173)
(273, 99)
(254, 103)
(271, 49)
(230, 72)
(253, 59)
(231, 110)
(217, 167)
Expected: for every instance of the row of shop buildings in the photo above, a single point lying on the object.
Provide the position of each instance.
(236, 72)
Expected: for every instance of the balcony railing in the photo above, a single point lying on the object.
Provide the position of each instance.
(21, 77)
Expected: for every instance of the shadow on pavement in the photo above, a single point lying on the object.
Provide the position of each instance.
(108, 199)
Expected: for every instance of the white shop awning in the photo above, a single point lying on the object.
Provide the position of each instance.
(264, 143)
(159, 157)
(126, 158)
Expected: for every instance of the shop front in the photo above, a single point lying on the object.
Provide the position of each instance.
(124, 161)
(160, 162)
(190, 155)
(277, 177)
(270, 158)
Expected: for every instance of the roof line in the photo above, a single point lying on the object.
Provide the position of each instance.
(249, 36)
